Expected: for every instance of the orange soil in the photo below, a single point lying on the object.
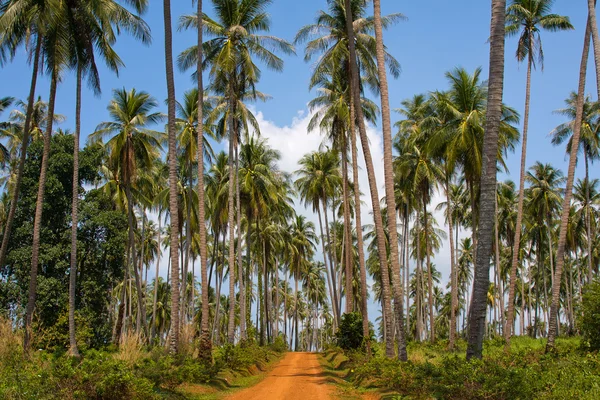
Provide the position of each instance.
(298, 376)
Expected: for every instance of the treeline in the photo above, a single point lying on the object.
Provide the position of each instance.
(84, 219)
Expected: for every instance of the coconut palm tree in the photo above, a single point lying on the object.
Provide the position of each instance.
(488, 182)
(304, 242)
(527, 18)
(564, 220)
(22, 21)
(236, 41)
(589, 143)
(131, 147)
(318, 179)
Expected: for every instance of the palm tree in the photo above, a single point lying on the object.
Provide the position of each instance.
(172, 157)
(564, 220)
(389, 182)
(589, 143)
(131, 147)
(205, 343)
(229, 54)
(342, 36)
(86, 27)
(28, 17)
(527, 18)
(56, 52)
(303, 242)
(488, 182)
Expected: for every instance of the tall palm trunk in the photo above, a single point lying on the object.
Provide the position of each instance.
(348, 262)
(155, 297)
(359, 233)
(333, 260)
(136, 273)
(173, 204)
(388, 169)
(73, 268)
(296, 278)
(418, 278)
(488, 182)
(23, 156)
(517, 239)
(231, 222)
(499, 285)
(188, 248)
(243, 334)
(381, 247)
(588, 222)
(37, 223)
(453, 272)
(564, 220)
(596, 40)
(429, 274)
(329, 285)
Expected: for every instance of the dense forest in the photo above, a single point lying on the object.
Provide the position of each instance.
(180, 235)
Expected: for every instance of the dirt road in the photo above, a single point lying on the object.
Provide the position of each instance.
(298, 376)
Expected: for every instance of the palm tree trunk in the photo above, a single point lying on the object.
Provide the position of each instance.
(418, 277)
(381, 247)
(407, 265)
(564, 220)
(138, 281)
(188, 247)
(231, 222)
(347, 228)
(359, 233)
(173, 203)
(243, 334)
(429, 275)
(588, 222)
(37, 224)
(73, 268)
(517, 239)
(596, 40)
(296, 279)
(155, 297)
(276, 301)
(499, 286)
(453, 280)
(23, 156)
(332, 262)
(329, 286)
(389, 182)
(488, 182)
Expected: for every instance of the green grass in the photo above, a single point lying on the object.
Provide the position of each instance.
(525, 372)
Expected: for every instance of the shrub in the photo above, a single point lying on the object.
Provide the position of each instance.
(349, 335)
(279, 345)
(589, 320)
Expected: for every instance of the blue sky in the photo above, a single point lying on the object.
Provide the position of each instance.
(438, 36)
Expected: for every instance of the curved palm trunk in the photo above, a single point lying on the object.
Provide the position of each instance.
(73, 268)
(359, 233)
(37, 224)
(488, 182)
(517, 239)
(389, 182)
(23, 156)
(596, 40)
(564, 220)
(381, 247)
(231, 222)
(173, 204)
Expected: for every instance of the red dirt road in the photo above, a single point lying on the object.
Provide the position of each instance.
(298, 376)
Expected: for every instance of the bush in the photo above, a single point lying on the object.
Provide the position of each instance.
(349, 335)
(589, 320)
(279, 345)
